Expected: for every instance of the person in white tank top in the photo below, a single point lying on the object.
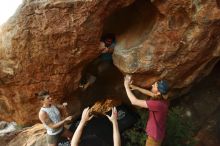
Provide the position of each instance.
(50, 116)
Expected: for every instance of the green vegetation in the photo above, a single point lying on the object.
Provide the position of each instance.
(179, 130)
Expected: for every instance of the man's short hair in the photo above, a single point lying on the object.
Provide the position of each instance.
(41, 95)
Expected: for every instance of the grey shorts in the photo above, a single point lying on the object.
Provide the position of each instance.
(53, 139)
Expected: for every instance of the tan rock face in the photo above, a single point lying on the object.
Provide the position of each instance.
(180, 41)
(47, 44)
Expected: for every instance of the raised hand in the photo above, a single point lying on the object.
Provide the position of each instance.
(116, 134)
(127, 79)
(85, 115)
(114, 115)
(85, 118)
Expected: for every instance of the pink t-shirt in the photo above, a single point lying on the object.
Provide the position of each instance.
(156, 124)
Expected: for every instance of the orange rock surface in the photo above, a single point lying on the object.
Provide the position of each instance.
(47, 44)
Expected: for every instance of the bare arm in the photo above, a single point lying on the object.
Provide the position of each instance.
(77, 134)
(134, 100)
(85, 118)
(45, 119)
(144, 91)
(116, 134)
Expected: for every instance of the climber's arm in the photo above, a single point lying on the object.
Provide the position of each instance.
(144, 91)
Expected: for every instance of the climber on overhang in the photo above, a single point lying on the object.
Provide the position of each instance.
(107, 45)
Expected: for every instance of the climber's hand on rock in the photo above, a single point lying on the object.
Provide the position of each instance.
(127, 80)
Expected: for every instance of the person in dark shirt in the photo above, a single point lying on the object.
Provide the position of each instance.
(86, 116)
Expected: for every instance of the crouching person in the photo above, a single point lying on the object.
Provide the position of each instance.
(49, 115)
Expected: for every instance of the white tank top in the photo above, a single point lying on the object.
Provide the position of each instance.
(54, 116)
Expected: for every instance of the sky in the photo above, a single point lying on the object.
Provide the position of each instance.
(7, 9)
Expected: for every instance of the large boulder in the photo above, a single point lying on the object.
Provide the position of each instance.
(45, 45)
(48, 43)
(174, 39)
